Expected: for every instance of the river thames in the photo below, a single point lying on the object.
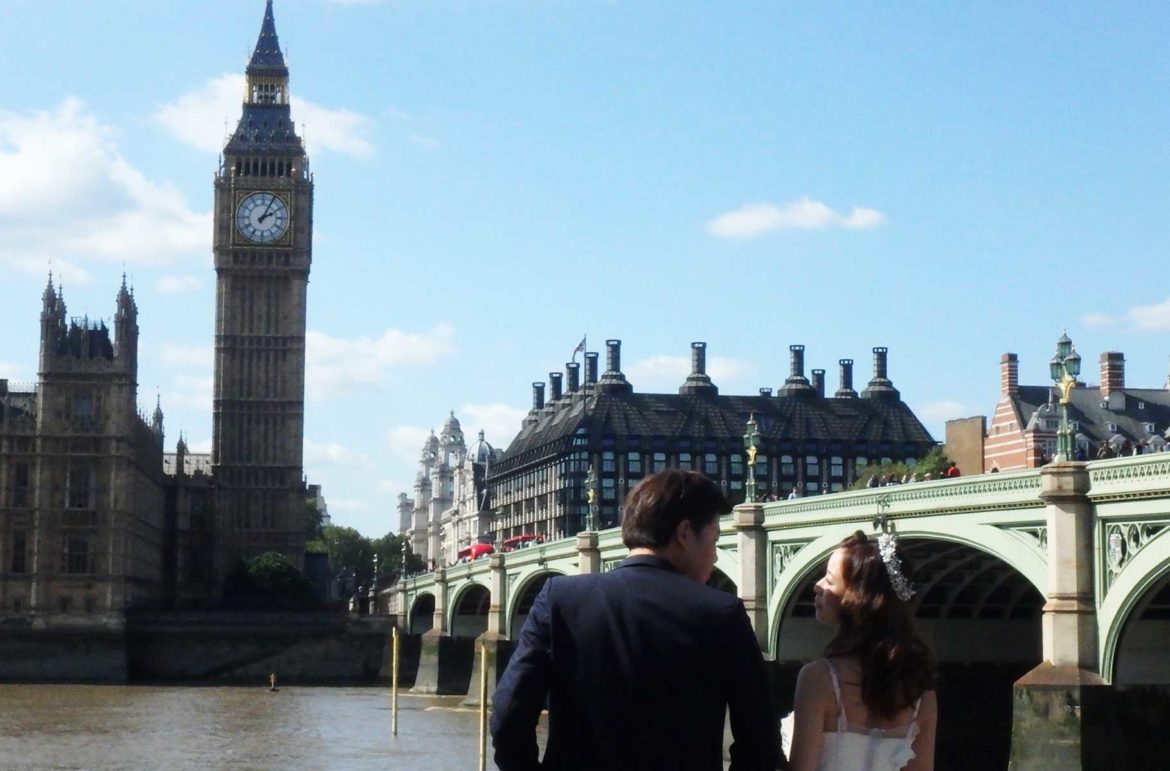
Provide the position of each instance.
(179, 728)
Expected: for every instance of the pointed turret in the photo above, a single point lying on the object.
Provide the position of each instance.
(267, 57)
(156, 420)
(49, 298)
(126, 329)
(53, 328)
(127, 308)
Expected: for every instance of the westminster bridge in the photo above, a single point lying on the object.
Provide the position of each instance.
(1058, 576)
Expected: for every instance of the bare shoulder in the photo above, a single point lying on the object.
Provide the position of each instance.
(929, 708)
(813, 683)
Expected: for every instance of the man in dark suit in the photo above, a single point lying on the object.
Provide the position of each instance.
(640, 664)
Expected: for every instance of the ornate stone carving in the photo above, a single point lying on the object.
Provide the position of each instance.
(1122, 541)
(1140, 476)
(783, 554)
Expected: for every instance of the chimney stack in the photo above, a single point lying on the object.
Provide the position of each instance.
(1009, 375)
(613, 357)
(879, 364)
(1112, 373)
(846, 390)
(796, 359)
(554, 383)
(698, 382)
(880, 386)
(765, 392)
(590, 368)
(573, 373)
(612, 380)
(538, 396)
(796, 383)
(698, 358)
(818, 381)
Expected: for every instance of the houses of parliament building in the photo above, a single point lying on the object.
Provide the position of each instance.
(95, 518)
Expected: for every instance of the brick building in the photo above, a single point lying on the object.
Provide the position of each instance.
(1108, 418)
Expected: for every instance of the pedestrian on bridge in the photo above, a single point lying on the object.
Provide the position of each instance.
(869, 705)
(640, 664)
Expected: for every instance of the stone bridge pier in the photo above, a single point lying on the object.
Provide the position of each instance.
(1058, 707)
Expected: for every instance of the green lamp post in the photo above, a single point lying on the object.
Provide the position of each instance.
(751, 443)
(1064, 368)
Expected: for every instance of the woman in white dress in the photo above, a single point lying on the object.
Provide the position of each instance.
(869, 705)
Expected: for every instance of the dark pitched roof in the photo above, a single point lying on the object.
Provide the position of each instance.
(265, 128)
(1129, 410)
(785, 422)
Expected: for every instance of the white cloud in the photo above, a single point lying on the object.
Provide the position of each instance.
(499, 422)
(333, 454)
(338, 365)
(407, 441)
(194, 356)
(198, 119)
(64, 272)
(177, 284)
(1151, 318)
(68, 196)
(390, 486)
(671, 371)
(1140, 318)
(348, 505)
(193, 392)
(1097, 320)
(803, 214)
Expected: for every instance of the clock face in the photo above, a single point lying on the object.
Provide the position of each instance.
(262, 217)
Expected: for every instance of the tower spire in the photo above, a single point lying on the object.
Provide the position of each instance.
(267, 56)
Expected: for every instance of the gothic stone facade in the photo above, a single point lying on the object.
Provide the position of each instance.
(93, 517)
(82, 519)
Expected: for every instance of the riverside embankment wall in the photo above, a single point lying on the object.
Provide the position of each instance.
(224, 648)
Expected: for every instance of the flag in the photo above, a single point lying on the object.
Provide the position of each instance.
(579, 349)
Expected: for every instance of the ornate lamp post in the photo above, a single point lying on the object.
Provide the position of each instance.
(1064, 368)
(591, 496)
(751, 443)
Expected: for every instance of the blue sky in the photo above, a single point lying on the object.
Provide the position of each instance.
(497, 178)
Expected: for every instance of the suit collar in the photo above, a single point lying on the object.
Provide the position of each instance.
(647, 561)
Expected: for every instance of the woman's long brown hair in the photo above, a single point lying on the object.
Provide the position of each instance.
(897, 666)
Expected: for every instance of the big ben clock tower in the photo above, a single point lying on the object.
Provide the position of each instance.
(263, 249)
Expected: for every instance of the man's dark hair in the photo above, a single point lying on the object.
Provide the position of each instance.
(656, 506)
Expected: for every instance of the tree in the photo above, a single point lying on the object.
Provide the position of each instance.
(268, 582)
(934, 463)
(349, 550)
(314, 516)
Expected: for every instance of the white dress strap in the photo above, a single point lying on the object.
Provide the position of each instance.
(842, 724)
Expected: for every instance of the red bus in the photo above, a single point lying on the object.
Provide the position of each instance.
(520, 541)
(476, 550)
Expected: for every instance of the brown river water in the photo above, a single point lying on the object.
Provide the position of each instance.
(180, 728)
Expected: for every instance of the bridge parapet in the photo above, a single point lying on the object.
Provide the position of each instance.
(986, 492)
(1139, 476)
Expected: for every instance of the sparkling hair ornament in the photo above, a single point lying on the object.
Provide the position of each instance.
(888, 548)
